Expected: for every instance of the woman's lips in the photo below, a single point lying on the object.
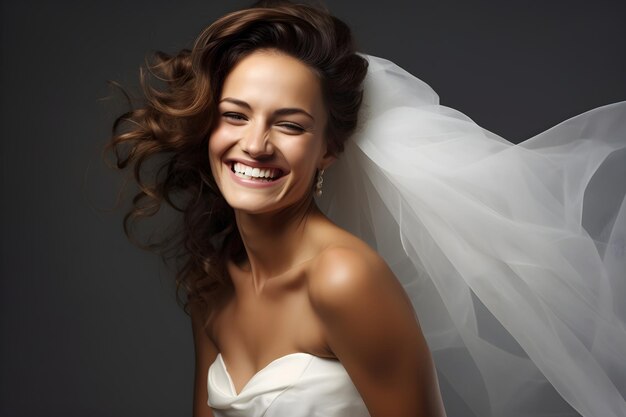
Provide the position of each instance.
(260, 173)
(251, 181)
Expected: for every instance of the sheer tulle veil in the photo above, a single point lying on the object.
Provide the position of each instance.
(513, 255)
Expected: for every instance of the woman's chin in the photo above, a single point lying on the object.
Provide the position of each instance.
(257, 203)
(252, 204)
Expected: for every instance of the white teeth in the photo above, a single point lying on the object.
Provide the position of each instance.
(261, 173)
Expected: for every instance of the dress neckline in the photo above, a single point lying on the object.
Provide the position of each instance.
(220, 360)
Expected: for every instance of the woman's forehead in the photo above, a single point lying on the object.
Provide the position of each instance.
(274, 78)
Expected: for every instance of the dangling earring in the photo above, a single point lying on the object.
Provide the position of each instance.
(320, 181)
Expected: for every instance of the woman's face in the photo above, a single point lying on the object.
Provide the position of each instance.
(269, 139)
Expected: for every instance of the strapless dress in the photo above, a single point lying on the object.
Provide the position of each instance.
(295, 385)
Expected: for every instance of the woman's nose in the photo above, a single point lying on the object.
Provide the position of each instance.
(256, 142)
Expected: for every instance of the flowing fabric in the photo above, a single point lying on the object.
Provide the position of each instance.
(514, 256)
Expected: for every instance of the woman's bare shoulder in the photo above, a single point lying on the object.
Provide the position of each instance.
(371, 327)
(346, 267)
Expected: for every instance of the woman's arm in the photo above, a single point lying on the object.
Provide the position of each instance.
(372, 329)
(206, 352)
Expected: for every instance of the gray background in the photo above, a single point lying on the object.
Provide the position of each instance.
(89, 323)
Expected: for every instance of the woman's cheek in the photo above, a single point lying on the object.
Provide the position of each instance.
(220, 140)
(304, 150)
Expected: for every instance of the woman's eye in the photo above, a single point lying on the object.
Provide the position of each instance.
(235, 116)
(292, 127)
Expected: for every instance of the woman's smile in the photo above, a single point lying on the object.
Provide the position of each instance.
(251, 175)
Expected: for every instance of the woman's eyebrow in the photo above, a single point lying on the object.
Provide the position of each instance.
(292, 110)
(279, 112)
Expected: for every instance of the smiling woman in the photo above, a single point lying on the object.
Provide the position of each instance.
(295, 316)
(292, 315)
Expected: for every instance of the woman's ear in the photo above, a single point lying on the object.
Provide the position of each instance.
(327, 160)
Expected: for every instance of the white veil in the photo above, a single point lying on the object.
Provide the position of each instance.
(513, 255)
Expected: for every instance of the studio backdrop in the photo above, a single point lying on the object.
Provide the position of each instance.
(89, 323)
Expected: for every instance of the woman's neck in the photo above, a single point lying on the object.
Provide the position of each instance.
(276, 242)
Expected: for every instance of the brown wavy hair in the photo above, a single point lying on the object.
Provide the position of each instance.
(178, 110)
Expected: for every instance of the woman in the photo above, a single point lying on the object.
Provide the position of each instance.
(293, 315)
(270, 95)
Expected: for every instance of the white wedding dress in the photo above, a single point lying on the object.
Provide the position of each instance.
(514, 257)
(294, 385)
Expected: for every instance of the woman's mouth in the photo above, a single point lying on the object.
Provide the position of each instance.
(259, 174)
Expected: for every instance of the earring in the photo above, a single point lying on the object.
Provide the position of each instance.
(320, 181)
